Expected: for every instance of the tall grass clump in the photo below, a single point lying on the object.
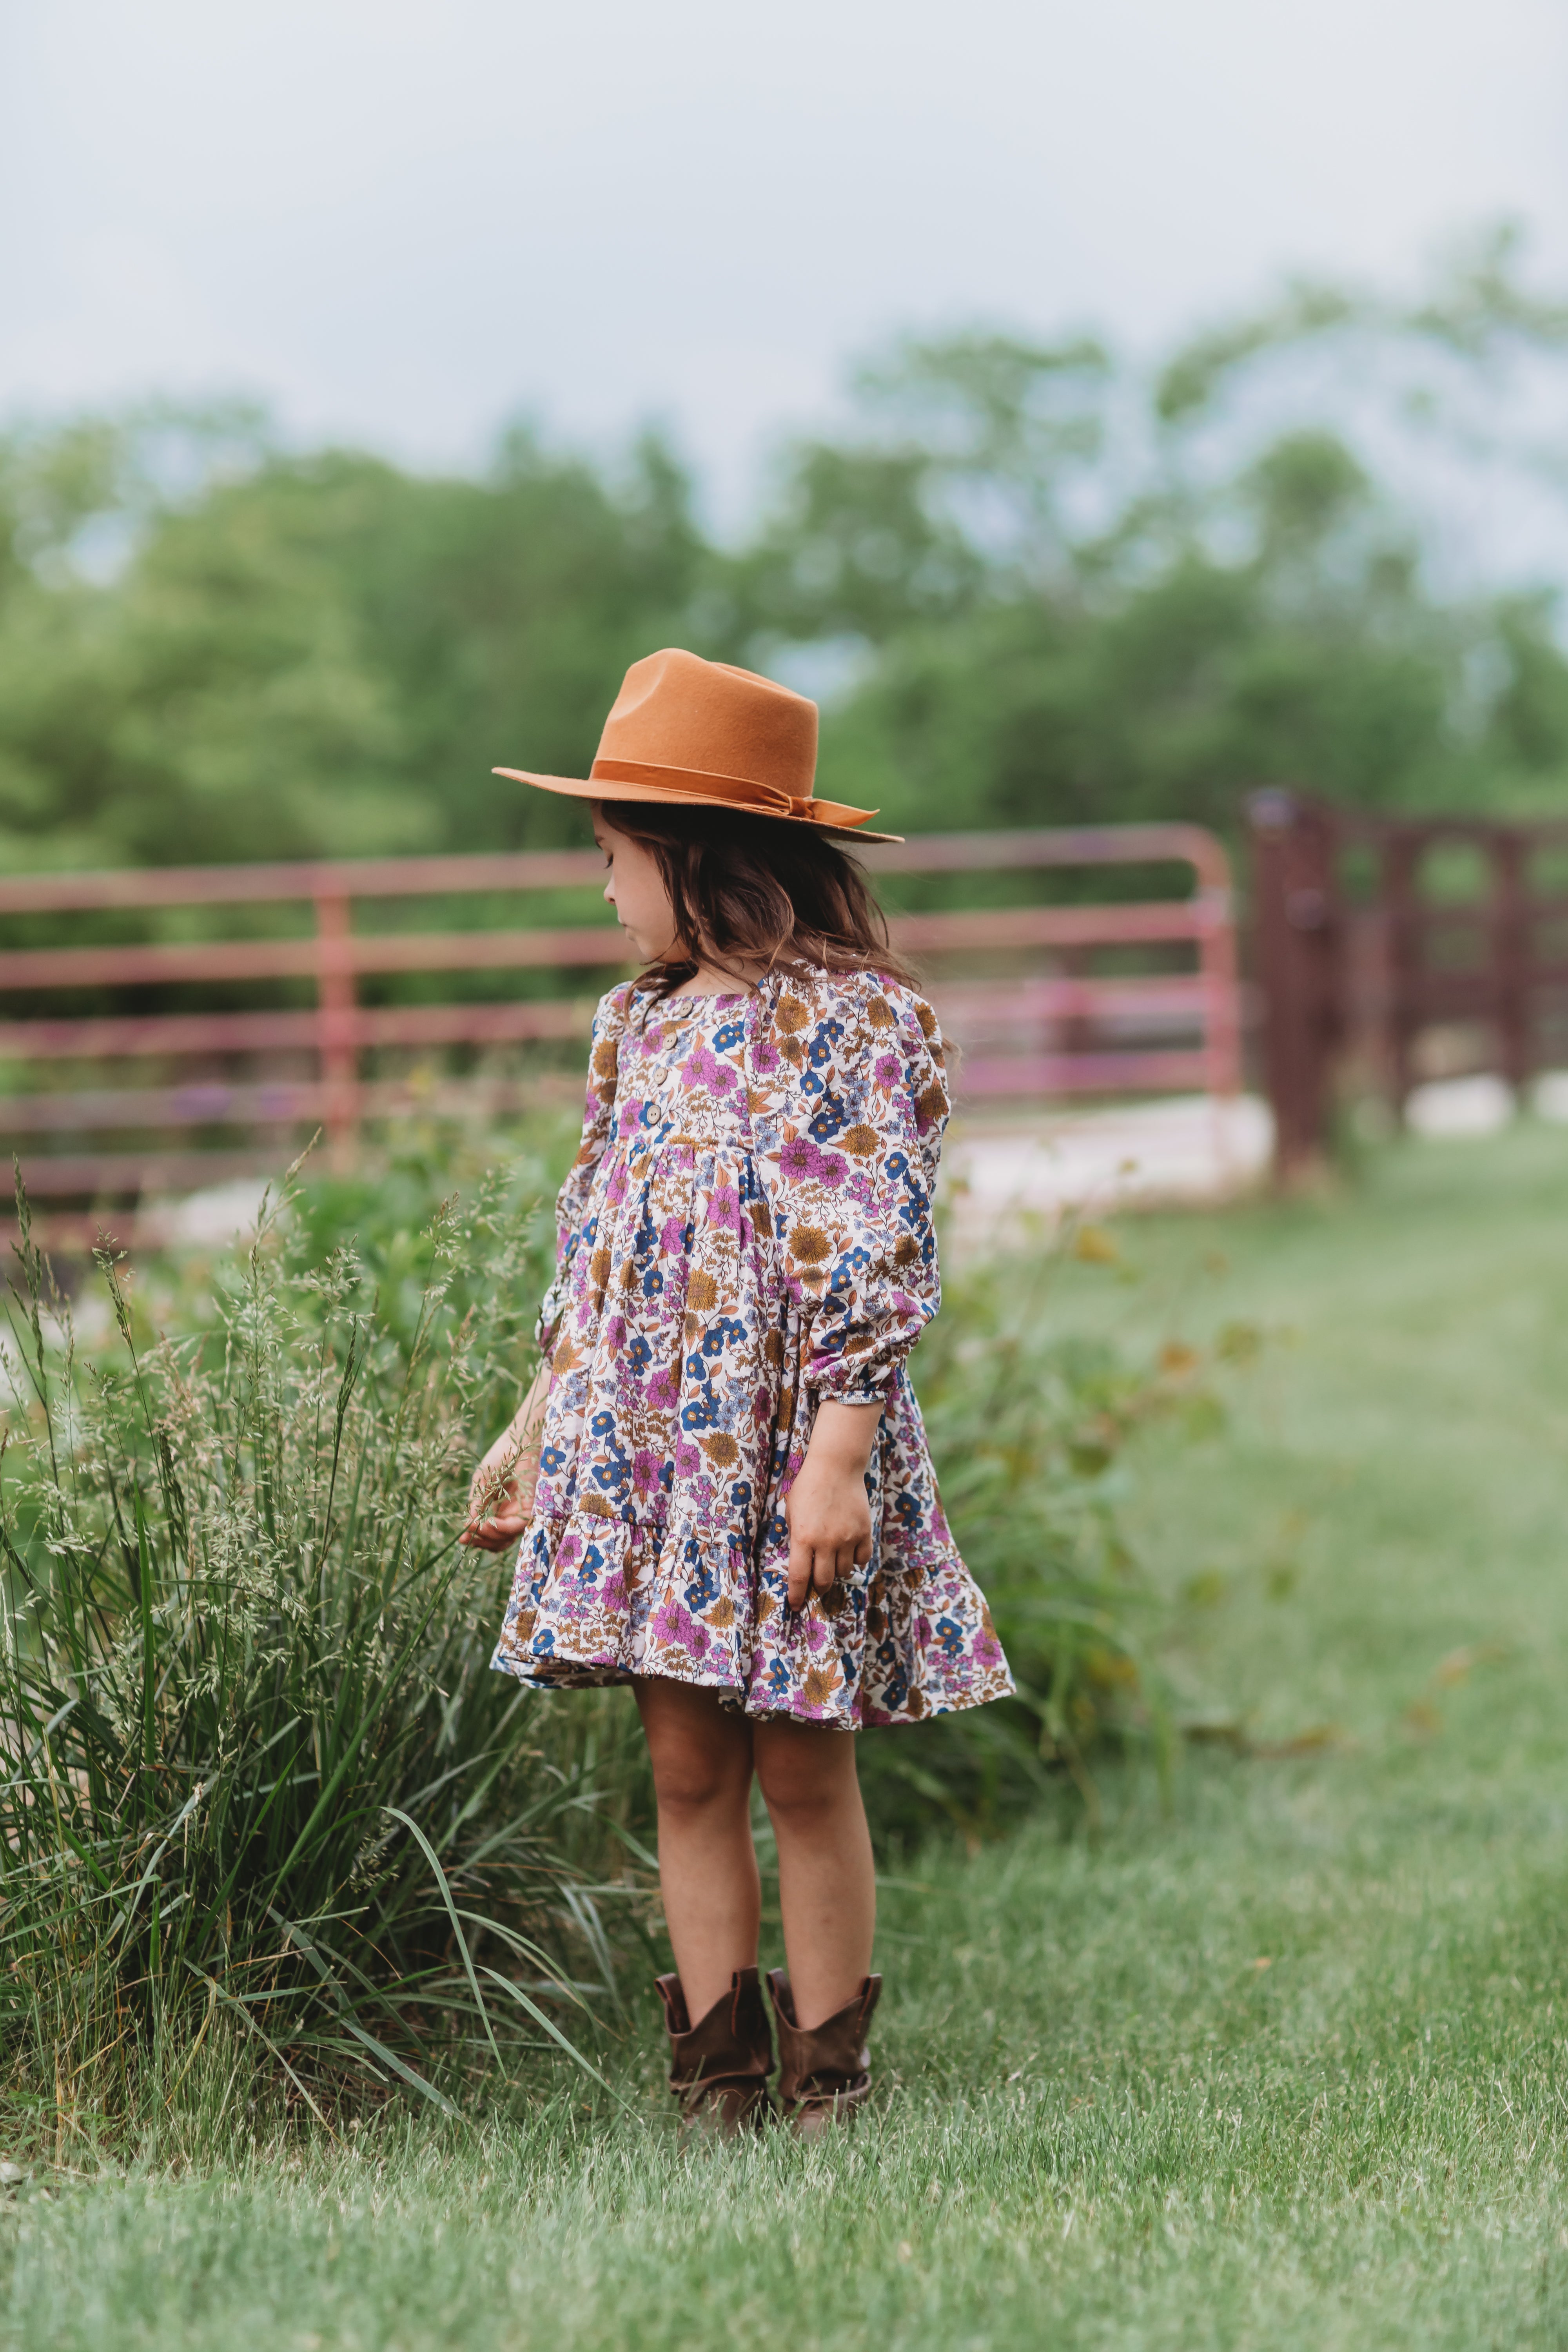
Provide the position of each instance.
(262, 1803)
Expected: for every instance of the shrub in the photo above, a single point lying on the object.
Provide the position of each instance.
(1029, 1428)
(260, 1787)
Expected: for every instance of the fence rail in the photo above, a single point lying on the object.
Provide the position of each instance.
(1017, 986)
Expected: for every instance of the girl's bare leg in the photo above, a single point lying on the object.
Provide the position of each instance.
(701, 1757)
(827, 1883)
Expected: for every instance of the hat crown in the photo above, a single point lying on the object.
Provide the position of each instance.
(676, 710)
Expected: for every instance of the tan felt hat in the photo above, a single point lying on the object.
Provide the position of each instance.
(686, 729)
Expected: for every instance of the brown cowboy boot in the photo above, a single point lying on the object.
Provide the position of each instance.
(718, 2068)
(824, 2074)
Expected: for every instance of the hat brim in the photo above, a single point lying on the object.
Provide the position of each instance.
(578, 788)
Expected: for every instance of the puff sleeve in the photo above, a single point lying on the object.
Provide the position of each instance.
(573, 1201)
(853, 1173)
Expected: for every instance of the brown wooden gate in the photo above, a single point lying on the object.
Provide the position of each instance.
(1389, 950)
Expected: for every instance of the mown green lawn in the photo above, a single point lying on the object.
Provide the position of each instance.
(1285, 2068)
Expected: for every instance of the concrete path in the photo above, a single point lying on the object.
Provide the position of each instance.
(1185, 1151)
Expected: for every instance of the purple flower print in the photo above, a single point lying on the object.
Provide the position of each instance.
(703, 1068)
(765, 1055)
(800, 1159)
(724, 1208)
(663, 1389)
(646, 1467)
(672, 1239)
(688, 1461)
(888, 1070)
(677, 1628)
(616, 1333)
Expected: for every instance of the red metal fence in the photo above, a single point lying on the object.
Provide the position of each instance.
(1024, 989)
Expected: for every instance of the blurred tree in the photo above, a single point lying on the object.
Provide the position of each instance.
(284, 656)
(1110, 605)
(1060, 589)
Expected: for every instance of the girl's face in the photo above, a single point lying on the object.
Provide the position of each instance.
(636, 892)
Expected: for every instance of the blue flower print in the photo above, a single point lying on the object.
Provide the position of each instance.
(703, 1588)
(828, 1120)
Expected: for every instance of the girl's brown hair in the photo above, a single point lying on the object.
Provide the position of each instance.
(756, 890)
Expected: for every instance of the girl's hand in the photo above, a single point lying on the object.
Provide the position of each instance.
(500, 1498)
(828, 1514)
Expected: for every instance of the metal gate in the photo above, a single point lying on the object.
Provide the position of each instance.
(255, 1002)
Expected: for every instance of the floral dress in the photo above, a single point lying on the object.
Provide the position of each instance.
(747, 1230)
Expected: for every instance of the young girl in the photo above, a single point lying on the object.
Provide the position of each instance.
(720, 1477)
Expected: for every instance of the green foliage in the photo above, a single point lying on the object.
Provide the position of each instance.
(1155, 594)
(1030, 1428)
(262, 1788)
(1064, 587)
(295, 655)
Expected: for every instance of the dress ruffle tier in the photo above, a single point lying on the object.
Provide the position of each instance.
(747, 1230)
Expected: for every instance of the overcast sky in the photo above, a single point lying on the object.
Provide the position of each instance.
(404, 223)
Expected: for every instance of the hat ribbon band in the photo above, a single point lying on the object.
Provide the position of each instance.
(745, 791)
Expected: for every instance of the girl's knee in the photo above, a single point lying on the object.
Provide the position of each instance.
(688, 1779)
(805, 1772)
(700, 1758)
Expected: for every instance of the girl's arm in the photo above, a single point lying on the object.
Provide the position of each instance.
(501, 1499)
(851, 1175)
(850, 1185)
(573, 1204)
